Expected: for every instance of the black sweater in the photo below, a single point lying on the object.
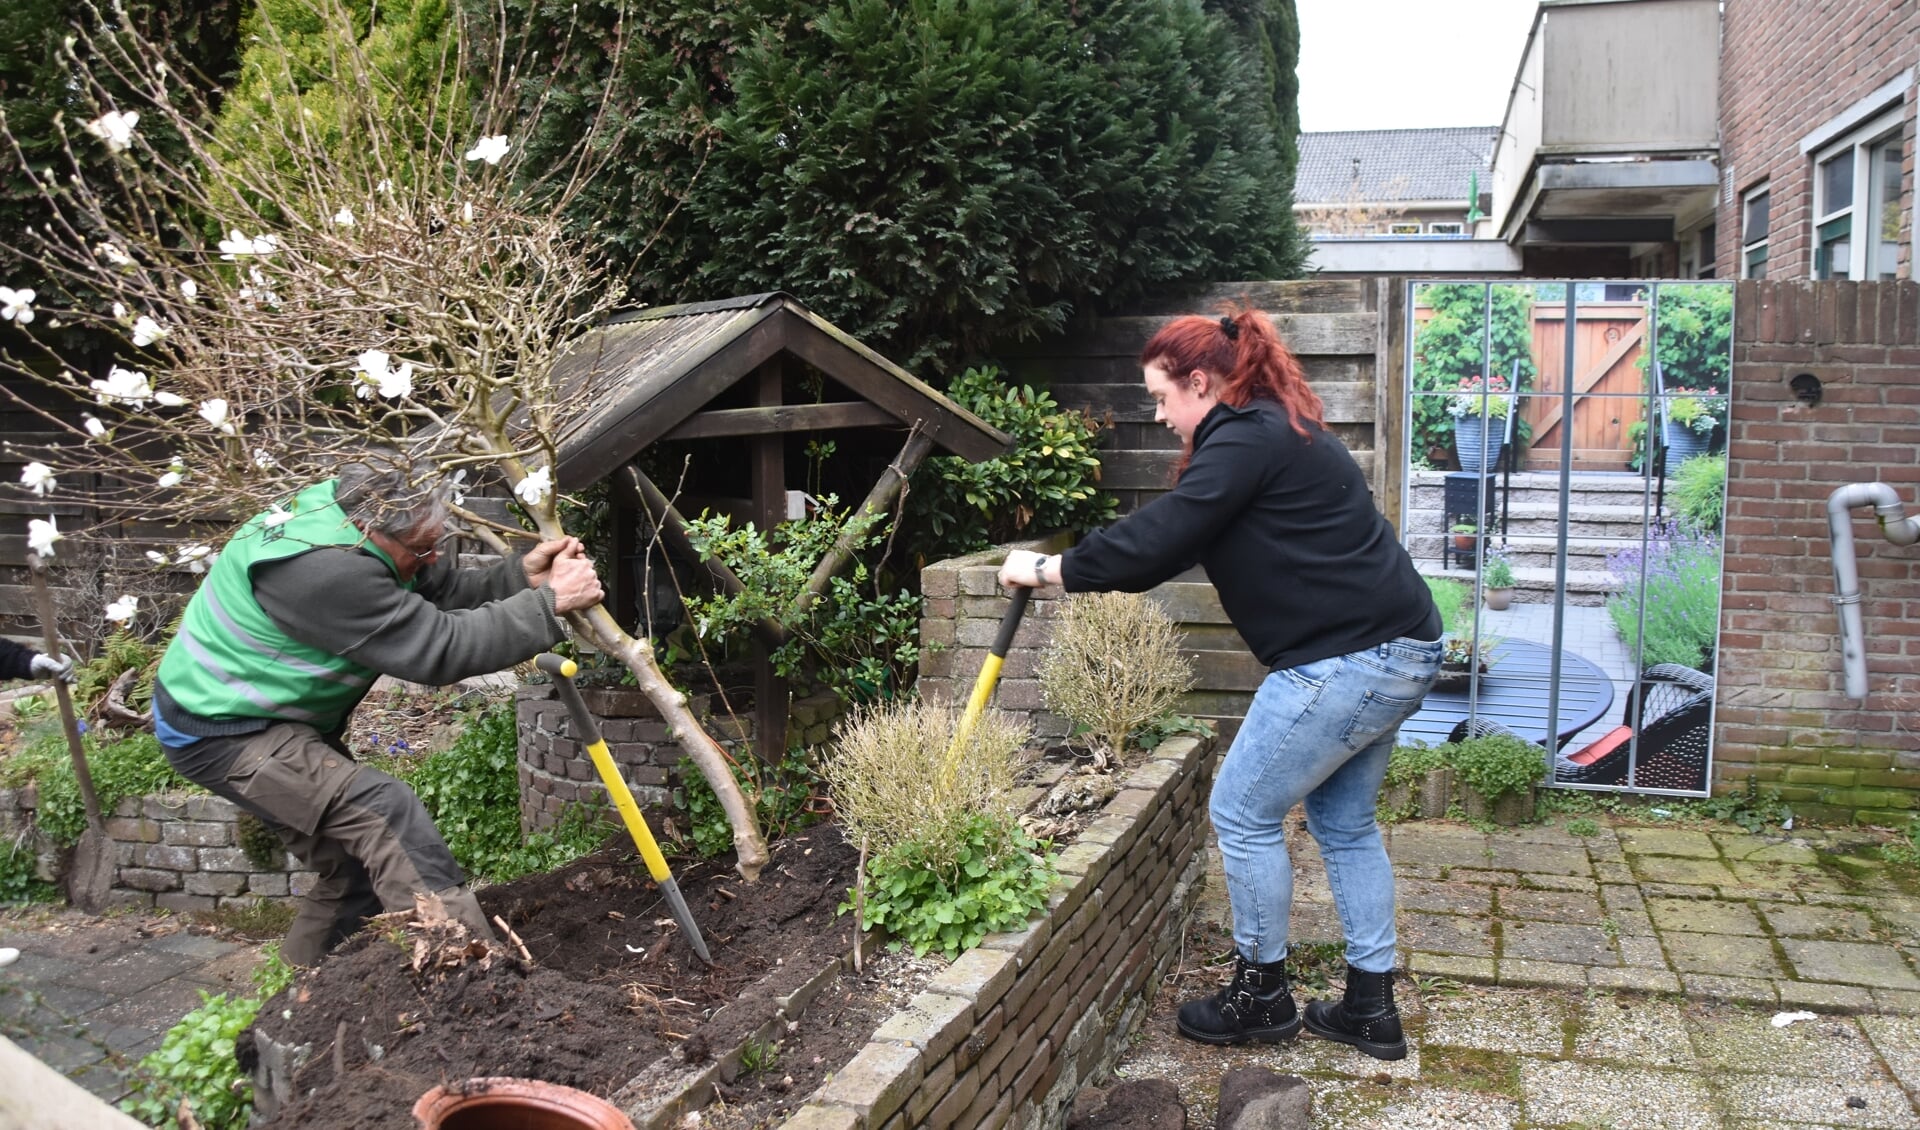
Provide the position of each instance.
(1306, 567)
(16, 661)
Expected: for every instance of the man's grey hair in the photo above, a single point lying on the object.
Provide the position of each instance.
(388, 497)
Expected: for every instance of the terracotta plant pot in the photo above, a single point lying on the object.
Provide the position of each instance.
(498, 1103)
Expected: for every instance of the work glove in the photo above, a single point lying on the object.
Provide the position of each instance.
(53, 667)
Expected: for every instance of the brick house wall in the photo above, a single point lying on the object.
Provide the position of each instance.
(1785, 70)
(1783, 718)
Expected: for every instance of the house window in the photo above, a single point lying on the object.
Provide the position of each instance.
(1856, 203)
(1454, 228)
(1704, 251)
(1403, 229)
(1753, 233)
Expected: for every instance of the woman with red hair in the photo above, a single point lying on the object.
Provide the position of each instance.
(1271, 504)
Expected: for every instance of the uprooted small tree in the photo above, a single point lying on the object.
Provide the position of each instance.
(354, 269)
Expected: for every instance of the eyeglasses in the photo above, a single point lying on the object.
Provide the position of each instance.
(432, 553)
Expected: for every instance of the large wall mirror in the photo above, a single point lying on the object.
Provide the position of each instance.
(1566, 493)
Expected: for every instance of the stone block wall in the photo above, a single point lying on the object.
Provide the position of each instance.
(555, 771)
(1008, 1034)
(171, 851)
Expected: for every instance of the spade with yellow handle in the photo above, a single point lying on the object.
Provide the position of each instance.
(563, 670)
(984, 684)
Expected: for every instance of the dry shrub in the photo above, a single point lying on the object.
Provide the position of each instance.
(892, 782)
(1114, 666)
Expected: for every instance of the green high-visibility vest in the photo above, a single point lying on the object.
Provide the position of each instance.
(230, 660)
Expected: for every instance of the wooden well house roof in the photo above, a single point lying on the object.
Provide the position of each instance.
(718, 370)
(649, 374)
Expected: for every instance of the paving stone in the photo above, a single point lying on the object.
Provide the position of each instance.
(1550, 906)
(61, 1050)
(1897, 1039)
(1553, 941)
(1829, 922)
(1725, 955)
(1667, 841)
(130, 972)
(1518, 972)
(1741, 990)
(1477, 969)
(1446, 933)
(81, 945)
(148, 1012)
(39, 969)
(193, 945)
(1677, 891)
(1850, 963)
(1816, 996)
(1617, 897)
(1582, 883)
(1765, 849)
(1822, 1101)
(1544, 859)
(1785, 878)
(1630, 923)
(1484, 875)
(1704, 916)
(1434, 843)
(1610, 872)
(1498, 1020)
(1905, 924)
(1690, 872)
(1900, 1002)
(1445, 898)
(50, 1001)
(1586, 1094)
(1640, 979)
(105, 1080)
(1642, 952)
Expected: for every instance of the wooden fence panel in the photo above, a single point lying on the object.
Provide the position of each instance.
(1609, 339)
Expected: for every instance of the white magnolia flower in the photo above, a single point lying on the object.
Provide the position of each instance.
(376, 377)
(119, 312)
(190, 288)
(169, 399)
(215, 412)
(535, 487)
(158, 558)
(466, 211)
(41, 535)
(16, 305)
(277, 516)
(112, 253)
(489, 149)
(146, 331)
(385, 186)
(263, 460)
(123, 386)
(344, 217)
(38, 478)
(457, 488)
(95, 428)
(114, 128)
(122, 609)
(237, 244)
(197, 557)
(259, 290)
(176, 471)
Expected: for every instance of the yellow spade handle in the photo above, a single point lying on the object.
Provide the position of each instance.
(563, 670)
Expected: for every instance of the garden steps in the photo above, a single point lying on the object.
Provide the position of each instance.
(1586, 588)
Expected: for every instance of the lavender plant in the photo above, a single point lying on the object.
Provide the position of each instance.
(1673, 588)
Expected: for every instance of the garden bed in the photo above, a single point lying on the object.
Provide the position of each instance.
(1019, 1023)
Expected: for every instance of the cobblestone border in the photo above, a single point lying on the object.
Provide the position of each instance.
(1008, 1034)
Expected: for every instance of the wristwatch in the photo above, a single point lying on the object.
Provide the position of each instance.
(1040, 570)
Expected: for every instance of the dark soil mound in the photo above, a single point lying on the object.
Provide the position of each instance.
(613, 987)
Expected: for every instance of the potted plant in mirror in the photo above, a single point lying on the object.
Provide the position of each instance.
(1691, 420)
(1497, 775)
(1479, 410)
(1461, 660)
(1463, 535)
(1496, 581)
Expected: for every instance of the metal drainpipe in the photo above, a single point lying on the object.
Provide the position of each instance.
(1898, 529)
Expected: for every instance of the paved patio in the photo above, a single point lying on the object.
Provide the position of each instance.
(1629, 978)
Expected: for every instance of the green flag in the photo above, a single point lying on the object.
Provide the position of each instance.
(1473, 198)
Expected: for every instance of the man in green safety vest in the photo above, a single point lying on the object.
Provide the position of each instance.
(303, 609)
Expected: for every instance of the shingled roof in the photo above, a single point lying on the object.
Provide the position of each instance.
(1393, 164)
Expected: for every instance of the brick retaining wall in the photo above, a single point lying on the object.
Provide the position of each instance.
(171, 851)
(556, 772)
(1010, 1032)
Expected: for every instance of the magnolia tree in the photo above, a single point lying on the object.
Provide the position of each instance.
(354, 273)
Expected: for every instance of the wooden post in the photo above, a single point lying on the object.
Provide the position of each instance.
(878, 501)
(770, 504)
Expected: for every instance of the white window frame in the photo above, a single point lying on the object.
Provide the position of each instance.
(1856, 146)
(1750, 245)
(1446, 227)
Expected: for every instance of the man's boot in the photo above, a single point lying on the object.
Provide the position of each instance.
(461, 904)
(1255, 1005)
(1365, 1018)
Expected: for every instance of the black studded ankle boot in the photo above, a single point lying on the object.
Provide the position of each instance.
(1255, 1005)
(1365, 1017)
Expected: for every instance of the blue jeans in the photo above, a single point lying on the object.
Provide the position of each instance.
(1321, 732)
